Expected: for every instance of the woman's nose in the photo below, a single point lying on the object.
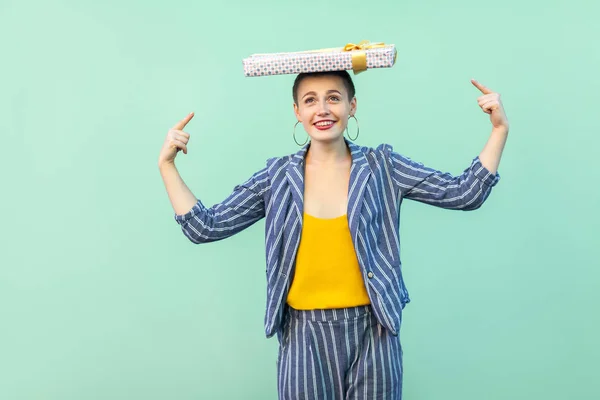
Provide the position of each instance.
(323, 108)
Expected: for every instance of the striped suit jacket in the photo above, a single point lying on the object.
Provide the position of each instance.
(379, 180)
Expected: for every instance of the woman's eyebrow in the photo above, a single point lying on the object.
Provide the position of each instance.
(328, 92)
(313, 93)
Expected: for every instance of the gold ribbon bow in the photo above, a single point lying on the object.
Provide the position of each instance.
(359, 54)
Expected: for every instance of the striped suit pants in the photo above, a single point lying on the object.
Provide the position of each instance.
(338, 354)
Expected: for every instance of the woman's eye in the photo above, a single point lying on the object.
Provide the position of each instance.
(334, 98)
(310, 99)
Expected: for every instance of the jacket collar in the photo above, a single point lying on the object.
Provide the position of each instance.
(359, 159)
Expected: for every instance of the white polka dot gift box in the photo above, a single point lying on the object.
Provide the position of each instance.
(357, 57)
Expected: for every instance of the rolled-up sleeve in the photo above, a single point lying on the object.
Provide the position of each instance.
(467, 191)
(242, 208)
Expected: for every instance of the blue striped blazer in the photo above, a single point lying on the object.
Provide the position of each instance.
(379, 180)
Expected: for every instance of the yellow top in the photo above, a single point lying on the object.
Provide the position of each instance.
(327, 273)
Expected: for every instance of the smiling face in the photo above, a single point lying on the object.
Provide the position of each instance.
(323, 106)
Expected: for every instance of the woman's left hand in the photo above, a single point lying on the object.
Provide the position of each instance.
(491, 104)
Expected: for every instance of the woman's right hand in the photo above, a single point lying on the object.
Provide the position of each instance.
(175, 141)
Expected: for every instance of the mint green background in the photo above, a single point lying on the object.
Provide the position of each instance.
(101, 295)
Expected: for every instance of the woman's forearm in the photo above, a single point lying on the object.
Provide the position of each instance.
(492, 151)
(181, 197)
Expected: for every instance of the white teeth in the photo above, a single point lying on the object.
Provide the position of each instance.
(325, 123)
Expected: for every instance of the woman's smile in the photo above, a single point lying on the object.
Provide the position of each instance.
(324, 124)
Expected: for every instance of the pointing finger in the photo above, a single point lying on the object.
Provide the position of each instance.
(181, 124)
(481, 87)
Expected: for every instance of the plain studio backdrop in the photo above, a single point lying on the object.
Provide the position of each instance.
(101, 295)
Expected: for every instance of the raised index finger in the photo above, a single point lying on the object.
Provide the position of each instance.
(181, 124)
(479, 86)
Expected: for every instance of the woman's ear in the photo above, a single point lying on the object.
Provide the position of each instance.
(353, 106)
(296, 112)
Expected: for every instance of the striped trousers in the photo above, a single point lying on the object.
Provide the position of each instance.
(338, 354)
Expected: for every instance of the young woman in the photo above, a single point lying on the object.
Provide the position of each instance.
(335, 292)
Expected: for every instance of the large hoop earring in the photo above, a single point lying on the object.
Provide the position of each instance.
(357, 129)
(299, 144)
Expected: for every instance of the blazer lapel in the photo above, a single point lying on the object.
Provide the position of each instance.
(360, 172)
(295, 176)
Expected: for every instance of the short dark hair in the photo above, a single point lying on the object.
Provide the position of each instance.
(344, 75)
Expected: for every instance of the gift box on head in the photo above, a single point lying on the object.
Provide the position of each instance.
(356, 57)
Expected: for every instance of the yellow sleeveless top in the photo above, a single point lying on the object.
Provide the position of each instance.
(327, 272)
